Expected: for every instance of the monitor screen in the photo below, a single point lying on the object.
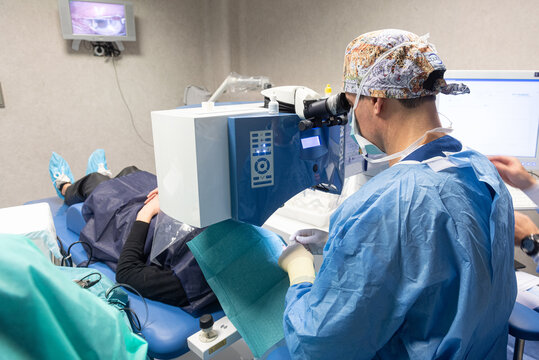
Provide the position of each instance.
(95, 18)
(109, 20)
(500, 116)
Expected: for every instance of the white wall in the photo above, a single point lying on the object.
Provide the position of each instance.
(59, 100)
(68, 102)
(303, 41)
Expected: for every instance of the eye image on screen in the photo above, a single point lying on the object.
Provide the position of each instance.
(93, 18)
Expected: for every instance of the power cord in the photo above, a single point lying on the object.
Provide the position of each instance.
(132, 316)
(86, 284)
(127, 310)
(66, 256)
(105, 49)
(126, 105)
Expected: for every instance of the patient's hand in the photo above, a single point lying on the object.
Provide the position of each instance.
(524, 226)
(151, 195)
(150, 208)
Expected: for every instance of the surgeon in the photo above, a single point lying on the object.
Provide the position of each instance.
(419, 261)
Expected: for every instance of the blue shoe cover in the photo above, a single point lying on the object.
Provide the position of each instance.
(97, 157)
(59, 171)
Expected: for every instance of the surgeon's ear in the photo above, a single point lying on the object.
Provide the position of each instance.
(378, 105)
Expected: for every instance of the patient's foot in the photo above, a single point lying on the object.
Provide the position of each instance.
(60, 173)
(98, 163)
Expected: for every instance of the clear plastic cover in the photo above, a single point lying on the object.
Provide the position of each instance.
(167, 232)
(240, 83)
(236, 83)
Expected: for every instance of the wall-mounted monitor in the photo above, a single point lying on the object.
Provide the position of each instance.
(107, 20)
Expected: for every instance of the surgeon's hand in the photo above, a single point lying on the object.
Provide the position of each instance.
(313, 239)
(524, 226)
(298, 263)
(512, 172)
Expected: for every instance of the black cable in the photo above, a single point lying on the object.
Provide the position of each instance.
(88, 284)
(90, 274)
(67, 257)
(127, 106)
(66, 260)
(61, 247)
(132, 316)
(105, 49)
(138, 293)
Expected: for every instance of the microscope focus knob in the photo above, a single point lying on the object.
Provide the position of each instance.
(206, 321)
(305, 125)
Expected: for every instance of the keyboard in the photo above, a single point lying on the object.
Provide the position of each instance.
(521, 201)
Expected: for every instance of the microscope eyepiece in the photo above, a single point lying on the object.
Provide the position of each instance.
(334, 105)
(325, 112)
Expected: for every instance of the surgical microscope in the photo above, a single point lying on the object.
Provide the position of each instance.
(239, 162)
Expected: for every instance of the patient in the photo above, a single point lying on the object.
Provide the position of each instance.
(119, 214)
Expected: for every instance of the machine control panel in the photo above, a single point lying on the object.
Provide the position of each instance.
(261, 150)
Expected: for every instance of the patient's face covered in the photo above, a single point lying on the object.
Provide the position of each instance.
(168, 232)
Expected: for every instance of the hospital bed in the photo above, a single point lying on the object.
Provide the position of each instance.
(167, 327)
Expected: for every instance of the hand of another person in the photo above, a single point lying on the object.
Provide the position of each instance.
(313, 239)
(512, 171)
(524, 226)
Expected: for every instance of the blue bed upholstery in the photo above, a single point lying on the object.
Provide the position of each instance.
(74, 220)
(167, 327)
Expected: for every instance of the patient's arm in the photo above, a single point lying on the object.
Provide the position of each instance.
(151, 281)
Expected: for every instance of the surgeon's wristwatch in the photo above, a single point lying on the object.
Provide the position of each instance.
(530, 244)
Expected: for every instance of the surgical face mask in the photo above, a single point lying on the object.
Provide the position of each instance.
(365, 146)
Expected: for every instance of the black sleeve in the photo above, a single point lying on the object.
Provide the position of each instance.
(150, 280)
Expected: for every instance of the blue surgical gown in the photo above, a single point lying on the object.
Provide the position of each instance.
(418, 264)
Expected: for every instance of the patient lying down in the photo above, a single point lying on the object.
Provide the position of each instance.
(120, 218)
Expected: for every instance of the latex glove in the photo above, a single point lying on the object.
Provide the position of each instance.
(313, 239)
(298, 263)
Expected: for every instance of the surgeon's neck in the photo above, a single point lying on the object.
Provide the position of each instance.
(405, 126)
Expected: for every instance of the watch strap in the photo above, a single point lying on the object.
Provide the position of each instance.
(534, 239)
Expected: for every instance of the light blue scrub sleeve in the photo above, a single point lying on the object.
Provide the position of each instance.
(45, 315)
(362, 292)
